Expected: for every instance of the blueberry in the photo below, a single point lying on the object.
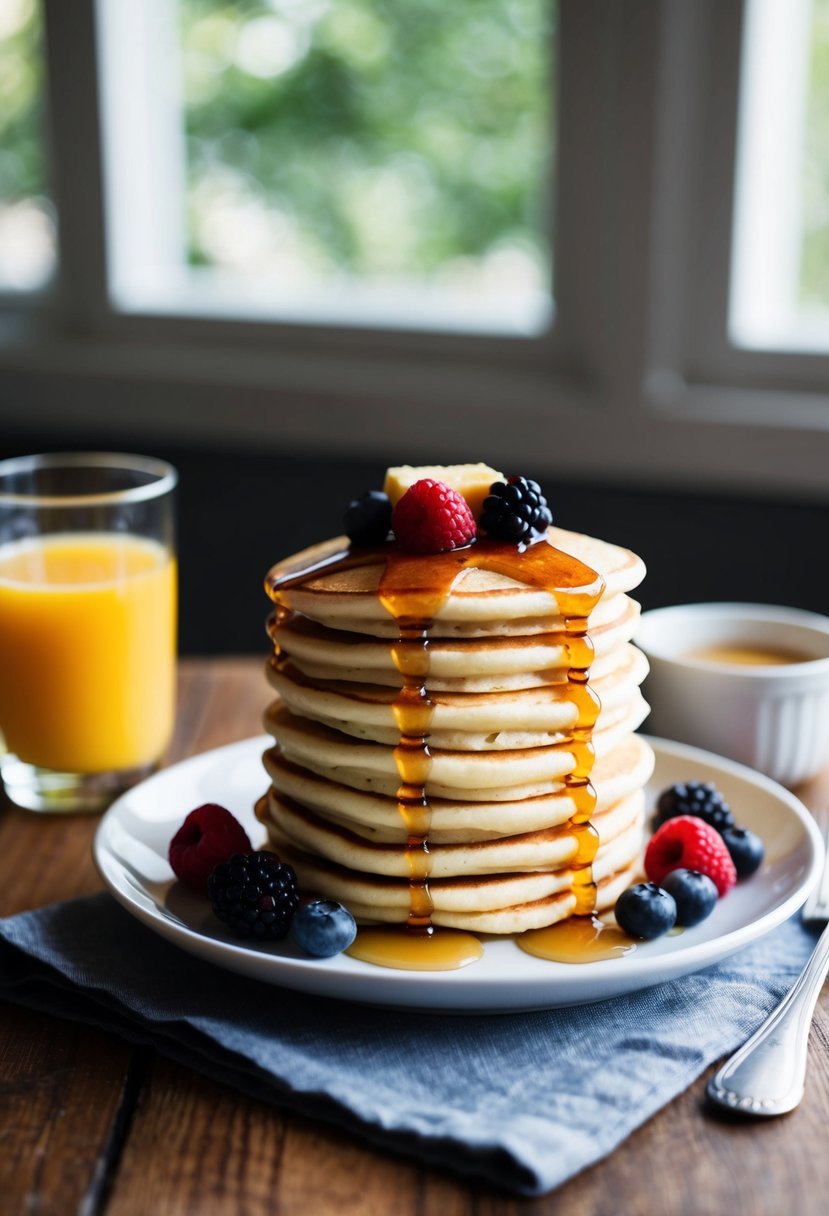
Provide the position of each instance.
(646, 911)
(368, 518)
(746, 849)
(694, 894)
(323, 927)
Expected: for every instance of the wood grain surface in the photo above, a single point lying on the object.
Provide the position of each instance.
(89, 1125)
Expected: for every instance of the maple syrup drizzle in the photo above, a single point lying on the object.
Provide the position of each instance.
(579, 659)
(413, 711)
(412, 589)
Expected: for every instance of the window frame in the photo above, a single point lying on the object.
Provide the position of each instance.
(636, 381)
(697, 123)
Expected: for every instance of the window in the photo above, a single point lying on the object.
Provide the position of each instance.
(780, 277)
(339, 223)
(27, 233)
(332, 160)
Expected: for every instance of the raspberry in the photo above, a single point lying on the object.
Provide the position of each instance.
(687, 843)
(431, 518)
(255, 894)
(515, 511)
(699, 798)
(208, 835)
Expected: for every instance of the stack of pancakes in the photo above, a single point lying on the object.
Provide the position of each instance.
(502, 842)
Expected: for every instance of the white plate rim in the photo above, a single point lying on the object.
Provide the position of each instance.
(474, 989)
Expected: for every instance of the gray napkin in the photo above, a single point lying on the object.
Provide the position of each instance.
(522, 1100)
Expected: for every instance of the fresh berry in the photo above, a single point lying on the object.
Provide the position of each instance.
(746, 849)
(255, 894)
(698, 798)
(323, 927)
(694, 895)
(208, 835)
(688, 843)
(515, 511)
(645, 911)
(431, 518)
(367, 519)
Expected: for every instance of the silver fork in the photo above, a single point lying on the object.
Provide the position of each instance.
(766, 1076)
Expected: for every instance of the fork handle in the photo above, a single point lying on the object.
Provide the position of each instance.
(766, 1075)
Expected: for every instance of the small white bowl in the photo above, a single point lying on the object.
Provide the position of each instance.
(774, 718)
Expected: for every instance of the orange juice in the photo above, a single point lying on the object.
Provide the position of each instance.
(87, 651)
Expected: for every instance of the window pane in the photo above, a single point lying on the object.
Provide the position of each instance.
(27, 230)
(356, 161)
(780, 273)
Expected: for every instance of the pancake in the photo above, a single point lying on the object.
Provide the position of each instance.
(433, 746)
(474, 722)
(482, 775)
(499, 903)
(350, 596)
(463, 665)
(615, 776)
(546, 849)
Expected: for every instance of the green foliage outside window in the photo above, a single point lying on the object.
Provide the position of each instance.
(22, 167)
(27, 235)
(383, 137)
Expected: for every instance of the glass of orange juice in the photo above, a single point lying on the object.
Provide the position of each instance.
(87, 625)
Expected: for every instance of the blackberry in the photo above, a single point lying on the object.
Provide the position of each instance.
(367, 519)
(515, 511)
(254, 894)
(698, 798)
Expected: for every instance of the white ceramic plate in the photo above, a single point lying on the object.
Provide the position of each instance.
(131, 853)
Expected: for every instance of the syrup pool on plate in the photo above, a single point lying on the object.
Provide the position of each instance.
(435, 950)
(581, 939)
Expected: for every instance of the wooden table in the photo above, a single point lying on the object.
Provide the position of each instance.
(89, 1124)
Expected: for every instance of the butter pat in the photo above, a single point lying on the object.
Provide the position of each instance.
(472, 481)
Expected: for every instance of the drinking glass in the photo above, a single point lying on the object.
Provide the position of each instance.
(87, 625)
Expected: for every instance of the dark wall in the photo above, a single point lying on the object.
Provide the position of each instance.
(238, 513)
